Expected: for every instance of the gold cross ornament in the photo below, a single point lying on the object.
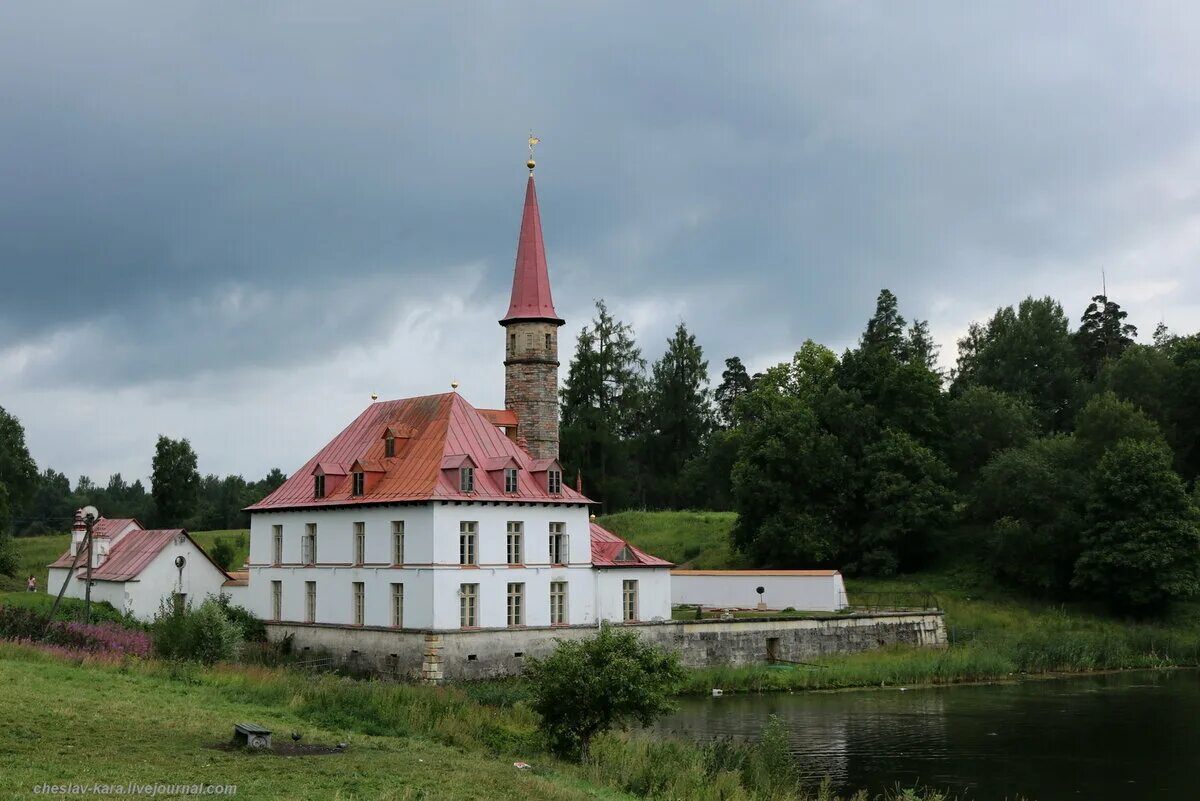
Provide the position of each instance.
(533, 142)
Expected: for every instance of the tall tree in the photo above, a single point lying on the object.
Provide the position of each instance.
(885, 329)
(1183, 401)
(1103, 334)
(680, 416)
(919, 347)
(603, 410)
(735, 382)
(980, 423)
(1026, 352)
(175, 483)
(1141, 547)
(18, 473)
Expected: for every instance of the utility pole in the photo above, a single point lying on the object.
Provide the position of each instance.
(90, 520)
(86, 516)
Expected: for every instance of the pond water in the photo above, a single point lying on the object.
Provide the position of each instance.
(1114, 737)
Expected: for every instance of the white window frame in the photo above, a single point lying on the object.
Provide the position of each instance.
(629, 600)
(468, 542)
(397, 542)
(466, 479)
(554, 482)
(277, 544)
(360, 542)
(319, 486)
(516, 603)
(397, 605)
(559, 544)
(468, 606)
(515, 541)
(558, 603)
(276, 600)
(358, 484)
(309, 556)
(310, 602)
(512, 480)
(359, 601)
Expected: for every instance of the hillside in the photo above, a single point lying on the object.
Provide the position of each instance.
(697, 540)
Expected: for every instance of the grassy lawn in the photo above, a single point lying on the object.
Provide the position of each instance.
(698, 540)
(87, 724)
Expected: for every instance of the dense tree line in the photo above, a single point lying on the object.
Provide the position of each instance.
(1064, 453)
(33, 502)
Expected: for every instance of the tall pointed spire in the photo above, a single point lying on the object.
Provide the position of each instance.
(531, 299)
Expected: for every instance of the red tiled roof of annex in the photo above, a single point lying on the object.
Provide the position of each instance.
(606, 547)
(443, 430)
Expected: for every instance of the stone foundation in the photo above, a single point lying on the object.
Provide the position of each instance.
(438, 656)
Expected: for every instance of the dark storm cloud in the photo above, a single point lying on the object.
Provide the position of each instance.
(208, 187)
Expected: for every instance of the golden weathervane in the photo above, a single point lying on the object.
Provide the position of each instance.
(533, 142)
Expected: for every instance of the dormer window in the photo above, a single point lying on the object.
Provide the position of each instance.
(554, 482)
(319, 486)
(358, 483)
(389, 447)
(510, 479)
(625, 555)
(466, 479)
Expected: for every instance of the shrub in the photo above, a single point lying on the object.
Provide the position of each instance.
(222, 553)
(253, 629)
(203, 634)
(586, 687)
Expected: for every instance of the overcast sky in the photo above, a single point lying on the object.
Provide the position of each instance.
(234, 222)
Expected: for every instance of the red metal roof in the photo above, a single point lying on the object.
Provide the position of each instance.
(104, 527)
(442, 426)
(130, 555)
(531, 298)
(606, 547)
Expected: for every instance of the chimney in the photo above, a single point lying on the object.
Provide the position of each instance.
(78, 532)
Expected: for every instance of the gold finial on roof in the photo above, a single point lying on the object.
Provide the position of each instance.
(454, 386)
(374, 397)
(533, 142)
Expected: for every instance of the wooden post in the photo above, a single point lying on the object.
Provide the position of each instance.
(87, 591)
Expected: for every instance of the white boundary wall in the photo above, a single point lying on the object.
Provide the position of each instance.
(804, 590)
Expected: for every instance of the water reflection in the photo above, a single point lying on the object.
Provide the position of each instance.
(1115, 737)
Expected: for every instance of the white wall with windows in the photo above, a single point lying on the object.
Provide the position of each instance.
(432, 575)
(653, 592)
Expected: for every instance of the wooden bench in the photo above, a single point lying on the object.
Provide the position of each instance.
(251, 735)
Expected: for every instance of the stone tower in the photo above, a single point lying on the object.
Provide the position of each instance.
(531, 339)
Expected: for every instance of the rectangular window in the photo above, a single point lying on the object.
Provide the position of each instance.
(554, 482)
(510, 479)
(359, 483)
(359, 592)
(549, 346)
(360, 543)
(516, 604)
(468, 609)
(466, 479)
(310, 602)
(276, 600)
(629, 597)
(309, 557)
(398, 605)
(318, 486)
(466, 542)
(397, 542)
(516, 554)
(276, 545)
(389, 447)
(558, 603)
(558, 544)
(512, 344)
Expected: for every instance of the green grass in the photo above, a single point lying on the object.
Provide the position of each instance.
(698, 540)
(153, 722)
(238, 538)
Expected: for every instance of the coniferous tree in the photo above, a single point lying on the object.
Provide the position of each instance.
(885, 329)
(735, 382)
(680, 417)
(602, 409)
(1103, 334)
(919, 347)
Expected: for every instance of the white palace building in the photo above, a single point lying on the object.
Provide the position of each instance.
(430, 515)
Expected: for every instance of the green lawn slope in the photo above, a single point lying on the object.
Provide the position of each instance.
(698, 540)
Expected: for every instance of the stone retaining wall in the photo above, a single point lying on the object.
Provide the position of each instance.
(439, 656)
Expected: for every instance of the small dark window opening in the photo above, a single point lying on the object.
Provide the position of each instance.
(518, 654)
(772, 649)
(359, 483)
(319, 486)
(471, 657)
(389, 447)
(512, 344)
(548, 346)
